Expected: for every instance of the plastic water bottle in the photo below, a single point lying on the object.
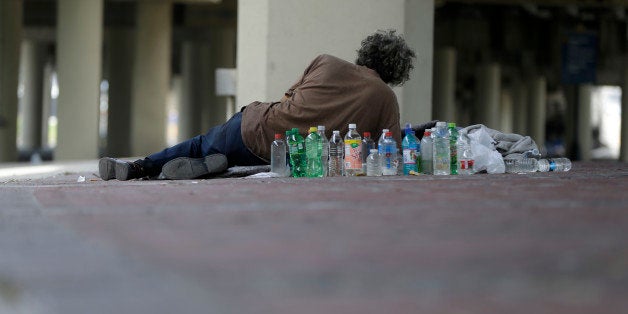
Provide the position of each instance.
(521, 165)
(453, 149)
(296, 147)
(441, 153)
(367, 145)
(278, 153)
(410, 151)
(389, 158)
(380, 142)
(336, 155)
(427, 167)
(465, 155)
(373, 164)
(314, 151)
(353, 152)
(325, 149)
(554, 164)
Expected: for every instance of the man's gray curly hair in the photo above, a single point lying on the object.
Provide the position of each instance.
(388, 54)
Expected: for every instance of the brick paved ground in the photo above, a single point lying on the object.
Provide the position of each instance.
(536, 243)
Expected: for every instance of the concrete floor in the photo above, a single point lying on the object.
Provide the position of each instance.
(534, 243)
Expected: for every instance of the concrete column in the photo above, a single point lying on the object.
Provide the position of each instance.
(537, 110)
(10, 38)
(520, 108)
(46, 103)
(194, 88)
(269, 59)
(223, 53)
(151, 77)
(623, 148)
(32, 63)
(445, 85)
(584, 129)
(488, 96)
(79, 54)
(120, 47)
(506, 111)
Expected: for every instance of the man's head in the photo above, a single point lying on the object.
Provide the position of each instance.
(388, 54)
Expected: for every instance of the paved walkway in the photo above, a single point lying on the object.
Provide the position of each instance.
(535, 243)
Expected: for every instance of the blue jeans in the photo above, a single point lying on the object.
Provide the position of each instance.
(224, 139)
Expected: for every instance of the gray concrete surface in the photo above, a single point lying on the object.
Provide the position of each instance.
(534, 243)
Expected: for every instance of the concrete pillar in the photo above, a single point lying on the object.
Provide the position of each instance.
(10, 38)
(120, 47)
(151, 76)
(537, 110)
(445, 85)
(32, 63)
(488, 95)
(506, 117)
(270, 59)
(623, 148)
(520, 108)
(79, 54)
(584, 129)
(47, 103)
(194, 87)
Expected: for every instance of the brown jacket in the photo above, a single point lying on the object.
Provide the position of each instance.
(331, 92)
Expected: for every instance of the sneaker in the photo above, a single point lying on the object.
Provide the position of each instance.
(111, 168)
(183, 168)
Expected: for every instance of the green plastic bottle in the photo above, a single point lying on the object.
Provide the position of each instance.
(453, 151)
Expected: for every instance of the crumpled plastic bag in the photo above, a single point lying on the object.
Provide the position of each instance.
(486, 157)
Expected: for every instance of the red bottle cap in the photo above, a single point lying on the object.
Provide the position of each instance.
(367, 134)
(389, 134)
(277, 136)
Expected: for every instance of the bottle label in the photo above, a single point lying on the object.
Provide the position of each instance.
(353, 154)
(409, 156)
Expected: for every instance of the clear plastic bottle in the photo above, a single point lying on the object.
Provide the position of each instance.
(373, 164)
(325, 148)
(336, 155)
(521, 165)
(453, 149)
(367, 145)
(441, 153)
(410, 151)
(389, 158)
(278, 153)
(554, 164)
(314, 151)
(427, 167)
(465, 155)
(353, 152)
(296, 146)
(380, 142)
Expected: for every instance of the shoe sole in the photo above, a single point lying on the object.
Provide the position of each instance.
(122, 171)
(106, 168)
(185, 168)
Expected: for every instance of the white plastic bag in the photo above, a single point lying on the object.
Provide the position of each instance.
(486, 157)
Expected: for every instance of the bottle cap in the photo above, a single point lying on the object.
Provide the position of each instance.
(389, 134)
(367, 134)
(441, 124)
(313, 129)
(427, 133)
(277, 136)
(288, 133)
(451, 125)
(373, 150)
(385, 130)
(408, 125)
(352, 125)
(321, 128)
(336, 132)
(295, 130)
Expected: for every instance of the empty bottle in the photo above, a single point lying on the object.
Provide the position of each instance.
(521, 165)
(427, 166)
(389, 157)
(441, 153)
(367, 145)
(313, 151)
(554, 164)
(325, 148)
(278, 153)
(465, 155)
(336, 155)
(453, 149)
(410, 151)
(353, 152)
(296, 147)
(380, 142)
(373, 164)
